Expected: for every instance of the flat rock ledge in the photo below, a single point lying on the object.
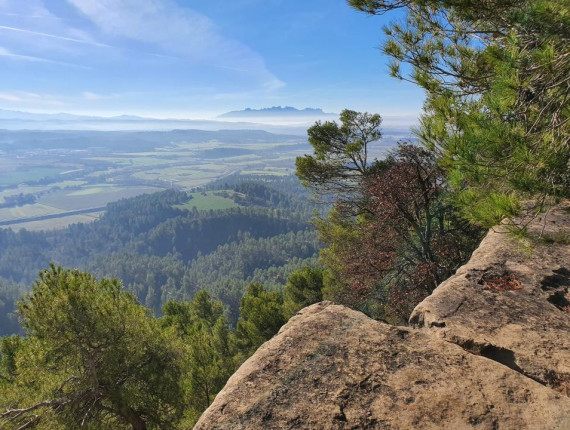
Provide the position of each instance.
(334, 368)
(510, 303)
(490, 349)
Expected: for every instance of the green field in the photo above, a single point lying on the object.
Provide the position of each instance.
(56, 223)
(92, 196)
(27, 211)
(185, 177)
(33, 174)
(208, 201)
(65, 184)
(111, 167)
(23, 189)
(268, 171)
(61, 201)
(138, 161)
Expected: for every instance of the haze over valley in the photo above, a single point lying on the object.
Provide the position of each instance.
(69, 176)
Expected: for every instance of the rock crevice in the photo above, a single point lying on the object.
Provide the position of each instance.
(514, 307)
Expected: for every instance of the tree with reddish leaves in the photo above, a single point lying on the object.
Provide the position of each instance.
(403, 240)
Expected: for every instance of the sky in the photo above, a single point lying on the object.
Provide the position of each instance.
(195, 59)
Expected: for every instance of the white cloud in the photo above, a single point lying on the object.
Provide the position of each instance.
(87, 95)
(33, 33)
(176, 31)
(92, 97)
(25, 99)
(51, 36)
(5, 53)
(28, 8)
(55, 102)
(10, 97)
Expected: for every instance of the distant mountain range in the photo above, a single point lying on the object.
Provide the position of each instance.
(287, 120)
(30, 116)
(278, 112)
(272, 112)
(18, 120)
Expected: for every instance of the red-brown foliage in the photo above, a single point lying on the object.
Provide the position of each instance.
(406, 239)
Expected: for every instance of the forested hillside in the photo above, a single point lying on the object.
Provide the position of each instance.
(162, 248)
(211, 288)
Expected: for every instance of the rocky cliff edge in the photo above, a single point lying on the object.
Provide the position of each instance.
(490, 349)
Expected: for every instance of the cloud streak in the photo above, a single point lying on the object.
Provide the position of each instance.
(5, 53)
(176, 31)
(26, 99)
(36, 16)
(52, 36)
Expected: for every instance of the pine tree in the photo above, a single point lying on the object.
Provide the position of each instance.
(260, 318)
(304, 287)
(497, 108)
(93, 356)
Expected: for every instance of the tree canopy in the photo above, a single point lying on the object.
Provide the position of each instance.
(304, 287)
(496, 78)
(261, 316)
(405, 239)
(92, 355)
(493, 143)
(340, 155)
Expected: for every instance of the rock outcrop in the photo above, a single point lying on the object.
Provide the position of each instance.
(490, 349)
(511, 304)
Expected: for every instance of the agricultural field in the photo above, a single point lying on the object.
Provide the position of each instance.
(61, 175)
(68, 173)
(56, 223)
(208, 200)
(91, 196)
(27, 211)
(16, 176)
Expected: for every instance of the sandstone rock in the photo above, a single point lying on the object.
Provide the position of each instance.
(334, 368)
(511, 304)
(490, 349)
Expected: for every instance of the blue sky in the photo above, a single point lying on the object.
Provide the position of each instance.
(194, 59)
